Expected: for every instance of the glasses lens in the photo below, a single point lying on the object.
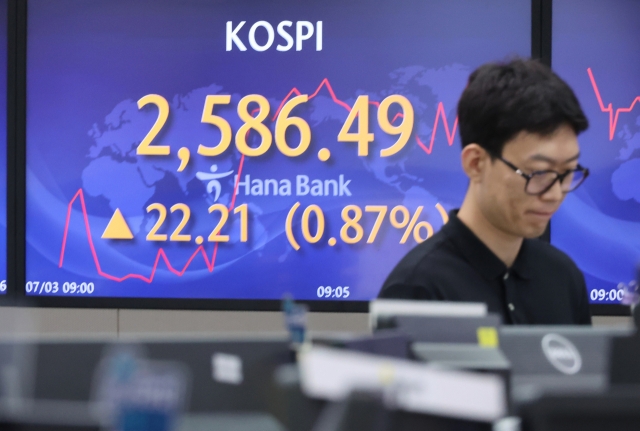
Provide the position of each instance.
(540, 182)
(573, 180)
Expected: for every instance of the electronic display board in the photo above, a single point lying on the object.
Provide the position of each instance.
(245, 149)
(595, 49)
(3, 144)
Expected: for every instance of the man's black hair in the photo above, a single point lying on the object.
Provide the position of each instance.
(504, 99)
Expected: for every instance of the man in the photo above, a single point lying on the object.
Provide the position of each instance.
(518, 126)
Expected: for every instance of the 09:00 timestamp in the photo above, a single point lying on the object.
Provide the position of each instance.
(604, 295)
(53, 287)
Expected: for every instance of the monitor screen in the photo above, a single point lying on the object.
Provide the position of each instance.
(245, 149)
(3, 144)
(595, 49)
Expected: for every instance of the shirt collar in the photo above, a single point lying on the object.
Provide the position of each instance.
(520, 266)
(479, 256)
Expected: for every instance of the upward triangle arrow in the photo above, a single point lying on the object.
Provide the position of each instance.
(117, 227)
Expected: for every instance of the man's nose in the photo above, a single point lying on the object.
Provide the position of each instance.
(554, 194)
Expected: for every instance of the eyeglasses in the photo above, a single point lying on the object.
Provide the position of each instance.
(539, 182)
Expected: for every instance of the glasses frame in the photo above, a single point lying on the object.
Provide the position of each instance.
(559, 177)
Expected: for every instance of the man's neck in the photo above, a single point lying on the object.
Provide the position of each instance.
(503, 245)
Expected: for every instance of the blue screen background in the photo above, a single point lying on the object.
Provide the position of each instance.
(599, 224)
(89, 62)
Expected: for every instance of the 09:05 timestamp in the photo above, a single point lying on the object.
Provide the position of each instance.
(53, 287)
(339, 292)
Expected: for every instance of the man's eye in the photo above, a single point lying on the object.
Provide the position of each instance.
(534, 169)
(541, 172)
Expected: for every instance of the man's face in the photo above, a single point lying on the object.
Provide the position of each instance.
(503, 200)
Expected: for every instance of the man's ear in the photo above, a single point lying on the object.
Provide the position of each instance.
(474, 161)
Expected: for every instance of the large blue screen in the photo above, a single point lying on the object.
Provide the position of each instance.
(246, 149)
(596, 48)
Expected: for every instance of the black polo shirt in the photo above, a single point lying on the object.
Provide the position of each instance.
(543, 286)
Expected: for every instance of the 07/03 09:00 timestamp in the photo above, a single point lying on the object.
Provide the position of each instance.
(53, 287)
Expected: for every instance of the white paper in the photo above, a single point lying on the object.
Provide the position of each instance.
(332, 374)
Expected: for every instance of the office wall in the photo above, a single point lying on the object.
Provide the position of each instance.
(125, 322)
(149, 323)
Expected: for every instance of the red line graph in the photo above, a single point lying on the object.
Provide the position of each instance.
(161, 253)
(450, 133)
(613, 116)
(325, 82)
(200, 250)
(441, 112)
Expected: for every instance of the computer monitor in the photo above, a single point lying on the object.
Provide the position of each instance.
(4, 168)
(614, 410)
(444, 329)
(557, 359)
(226, 375)
(594, 48)
(384, 309)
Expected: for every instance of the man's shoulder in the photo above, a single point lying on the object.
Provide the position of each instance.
(547, 255)
(545, 252)
(559, 280)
